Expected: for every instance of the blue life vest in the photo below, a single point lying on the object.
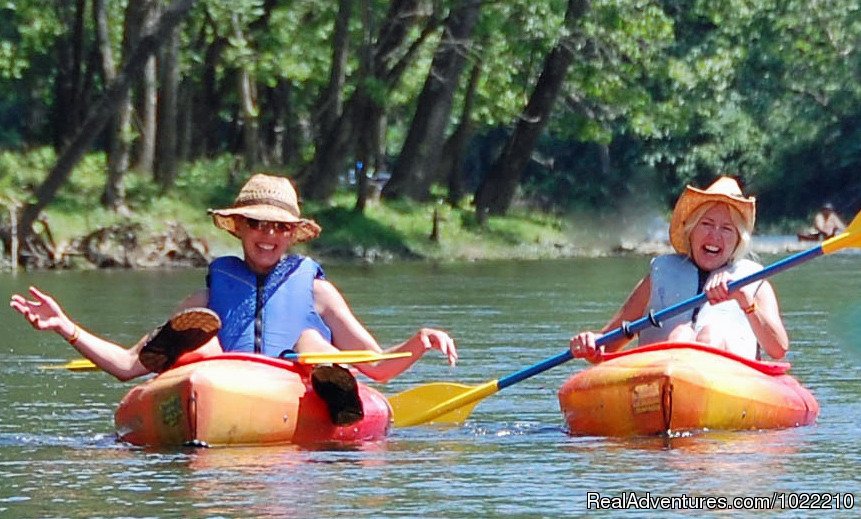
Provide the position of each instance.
(286, 296)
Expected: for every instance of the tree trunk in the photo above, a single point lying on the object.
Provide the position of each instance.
(331, 102)
(168, 98)
(451, 164)
(250, 123)
(147, 110)
(497, 189)
(320, 180)
(248, 111)
(291, 143)
(369, 124)
(186, 124)
(272, 125)
(414, 170)
(143, 13)
(101, 112)
(69, 106)
(361, 169)
(208, 104)
(364, 145)
(114, 194)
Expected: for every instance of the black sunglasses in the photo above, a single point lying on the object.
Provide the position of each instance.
(264, 225)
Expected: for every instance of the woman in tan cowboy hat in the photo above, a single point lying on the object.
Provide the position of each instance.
(710, 230)
(267, 302)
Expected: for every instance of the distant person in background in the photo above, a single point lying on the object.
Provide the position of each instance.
(826, 222)
(710, 230)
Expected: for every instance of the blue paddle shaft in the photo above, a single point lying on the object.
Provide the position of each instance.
(655, 318)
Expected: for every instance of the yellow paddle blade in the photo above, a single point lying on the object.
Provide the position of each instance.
(74, 365)
(851, 237)
(346, 357)
(438, 402)
(339, 357)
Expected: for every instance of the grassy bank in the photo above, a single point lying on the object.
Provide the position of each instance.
(404, 228)
(385, 230)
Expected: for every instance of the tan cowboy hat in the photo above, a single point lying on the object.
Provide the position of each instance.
(266, 198)
(724, 189)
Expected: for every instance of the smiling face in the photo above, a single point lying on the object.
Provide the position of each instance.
(264, 243)
(714, 238)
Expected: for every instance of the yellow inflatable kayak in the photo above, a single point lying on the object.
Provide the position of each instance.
(673, 387)
(240, 399)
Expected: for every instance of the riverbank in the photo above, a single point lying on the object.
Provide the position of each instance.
(76, 228)
(385, 232)
(405, 230)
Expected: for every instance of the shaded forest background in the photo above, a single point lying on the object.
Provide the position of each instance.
(556, 104)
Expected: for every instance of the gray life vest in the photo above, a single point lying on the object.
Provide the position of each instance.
(674, 278)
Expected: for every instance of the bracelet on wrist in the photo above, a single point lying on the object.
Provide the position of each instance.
(72, 339)
(750, 309)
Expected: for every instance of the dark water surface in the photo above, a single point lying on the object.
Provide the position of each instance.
(59, 457)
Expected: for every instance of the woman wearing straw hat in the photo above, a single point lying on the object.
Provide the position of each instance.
(710, 230)
(267, 302)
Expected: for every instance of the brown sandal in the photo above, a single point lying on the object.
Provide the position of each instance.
(183, 332)
(339, 389)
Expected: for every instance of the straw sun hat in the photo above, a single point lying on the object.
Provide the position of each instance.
(724, 189)
(266, 198)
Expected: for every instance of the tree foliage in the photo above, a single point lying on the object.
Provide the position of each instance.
(658, 93)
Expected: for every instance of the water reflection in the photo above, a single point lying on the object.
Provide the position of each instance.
(58, 456)
(266, 481)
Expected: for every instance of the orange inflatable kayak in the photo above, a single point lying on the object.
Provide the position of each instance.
(672, 387)
(240, 399)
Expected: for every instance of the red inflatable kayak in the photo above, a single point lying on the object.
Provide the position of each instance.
(672, 387)
(240, 399)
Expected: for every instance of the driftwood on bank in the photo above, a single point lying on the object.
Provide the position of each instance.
(37, 250)
(115, 246)
(175, 248)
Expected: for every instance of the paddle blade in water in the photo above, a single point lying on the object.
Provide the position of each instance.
(74, 365)
(339, 357)
(438, 402)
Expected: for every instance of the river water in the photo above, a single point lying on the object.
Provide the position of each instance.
(59, 456)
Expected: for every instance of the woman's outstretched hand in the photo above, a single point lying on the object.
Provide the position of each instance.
(43, 312)
(433, 339)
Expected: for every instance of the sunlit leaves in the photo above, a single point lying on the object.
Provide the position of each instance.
(619, 47)
(512, 39)
(692, 87)
(27, 31)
